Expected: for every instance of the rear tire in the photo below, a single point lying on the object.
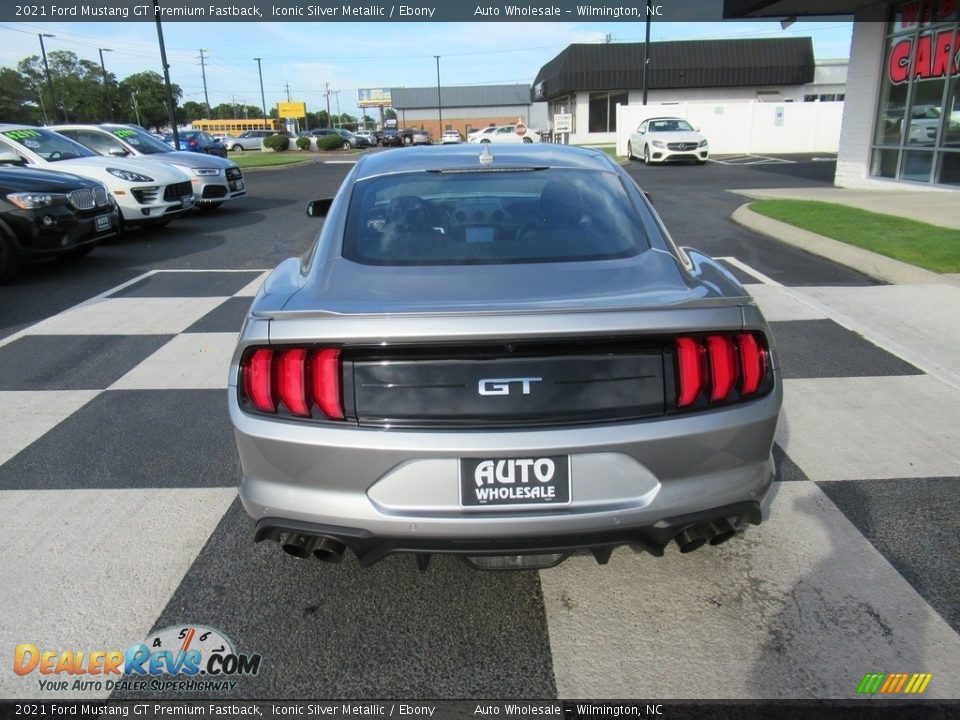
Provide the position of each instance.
(10, 260)
(237, 148)
(346, 145)
(528, 140)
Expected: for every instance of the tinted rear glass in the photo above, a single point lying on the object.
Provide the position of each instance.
(485, 217)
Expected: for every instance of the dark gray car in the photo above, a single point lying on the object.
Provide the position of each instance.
(500, 355)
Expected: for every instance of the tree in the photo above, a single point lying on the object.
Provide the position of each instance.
(78, 87)
(389, 114)
(145, 99)
(19, 102)
(193, 110)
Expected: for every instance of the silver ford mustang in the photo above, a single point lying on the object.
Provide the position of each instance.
(500, 355)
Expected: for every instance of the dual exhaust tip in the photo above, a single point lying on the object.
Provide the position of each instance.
(322, 548)
(716, 532)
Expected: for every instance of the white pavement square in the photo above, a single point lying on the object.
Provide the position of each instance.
(191, 361)
(27, 416)
(867, 428)
(800, 607)
(776, 304)
(93, 569)
(129, 316)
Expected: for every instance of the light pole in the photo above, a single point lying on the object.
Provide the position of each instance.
(171, 108)
(263, 99)
(439, 104)
(106, 84)
(46, 67)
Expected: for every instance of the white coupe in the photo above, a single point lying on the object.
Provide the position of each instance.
(667, 139)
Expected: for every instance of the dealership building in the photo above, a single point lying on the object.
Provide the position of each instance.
(466, 108)
(901, 119)
(589, 81)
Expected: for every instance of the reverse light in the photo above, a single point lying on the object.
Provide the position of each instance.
(294, 378)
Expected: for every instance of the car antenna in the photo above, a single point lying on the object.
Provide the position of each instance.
(486, 157)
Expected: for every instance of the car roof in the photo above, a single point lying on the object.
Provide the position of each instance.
(665, 117)
(467, 156)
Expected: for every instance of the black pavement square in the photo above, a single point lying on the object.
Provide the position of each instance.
(787, 469)
(73, 362)
(745, 278)
(824, 349)
(133, 439)
(915, 524)
(189, 284)
(387, 631)
(226, 317)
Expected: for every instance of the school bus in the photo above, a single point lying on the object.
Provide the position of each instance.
(235, 127)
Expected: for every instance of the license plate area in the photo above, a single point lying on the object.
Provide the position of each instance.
(524, 481)
(102, 222)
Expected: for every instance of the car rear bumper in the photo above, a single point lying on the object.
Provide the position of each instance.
(405, 486)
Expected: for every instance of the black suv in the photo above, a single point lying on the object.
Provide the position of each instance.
(47, 214)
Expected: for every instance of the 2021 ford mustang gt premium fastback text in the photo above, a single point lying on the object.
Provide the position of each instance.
(500, 355)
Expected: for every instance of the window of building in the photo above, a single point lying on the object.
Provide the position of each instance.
(603, 111)
(917, 130)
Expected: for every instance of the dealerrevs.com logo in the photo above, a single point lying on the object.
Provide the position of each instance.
(176, 659)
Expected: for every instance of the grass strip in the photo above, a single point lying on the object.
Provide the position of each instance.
(927, 246)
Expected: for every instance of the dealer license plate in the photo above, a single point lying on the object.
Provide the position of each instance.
(102, 222)
(488, 482)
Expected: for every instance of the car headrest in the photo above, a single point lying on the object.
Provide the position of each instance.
(560, 203)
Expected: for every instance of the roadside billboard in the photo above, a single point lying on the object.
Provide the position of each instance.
(374, 97)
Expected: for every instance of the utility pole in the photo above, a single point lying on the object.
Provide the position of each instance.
(136, 107)
(439, 103)
(337, 93)
(646, 57)
(203, 74)
(171, 108)
(106, 84)
(288, 92)
(263, 99)
(327, 93)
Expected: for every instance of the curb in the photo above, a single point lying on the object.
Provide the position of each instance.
(870, 263)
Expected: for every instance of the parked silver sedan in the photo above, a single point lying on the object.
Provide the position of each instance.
(499, 353)
(215, 180)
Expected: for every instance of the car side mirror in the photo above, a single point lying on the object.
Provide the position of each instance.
(117, 152)
(319, 208)
(641, 130)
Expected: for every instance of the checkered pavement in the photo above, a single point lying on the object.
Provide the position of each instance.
(118, 515)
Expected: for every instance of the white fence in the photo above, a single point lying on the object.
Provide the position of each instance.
(747, 127)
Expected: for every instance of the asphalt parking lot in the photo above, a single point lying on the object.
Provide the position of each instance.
(118, 505)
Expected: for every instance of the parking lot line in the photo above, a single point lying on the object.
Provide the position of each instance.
(924, 363)
(752, 160)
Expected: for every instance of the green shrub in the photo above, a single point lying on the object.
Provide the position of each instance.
(303, 143)
(278, 143)
(329, 142)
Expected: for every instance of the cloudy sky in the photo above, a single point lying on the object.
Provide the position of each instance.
(361, 55)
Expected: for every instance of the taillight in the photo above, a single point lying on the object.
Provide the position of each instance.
(296, 378)
(723, 366)
(719, 368)
(690, 361)
(326, 386)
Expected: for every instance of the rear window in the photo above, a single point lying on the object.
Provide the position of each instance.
(491, 216)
